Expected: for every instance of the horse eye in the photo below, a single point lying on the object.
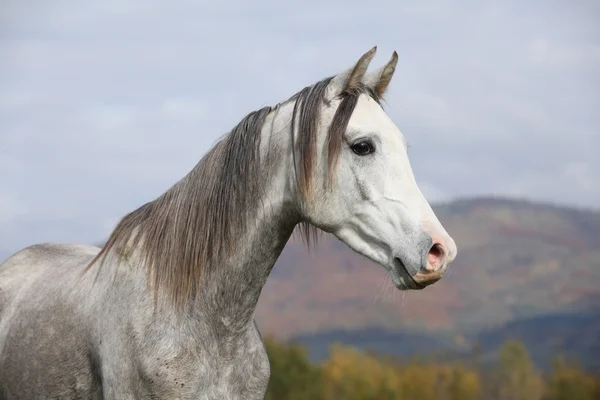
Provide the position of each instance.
(363, 148)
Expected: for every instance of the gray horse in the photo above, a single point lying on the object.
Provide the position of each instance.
(165, 310)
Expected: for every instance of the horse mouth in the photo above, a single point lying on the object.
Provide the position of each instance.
(410, 282)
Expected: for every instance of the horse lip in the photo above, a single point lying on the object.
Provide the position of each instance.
(400, 265)
(426, 279)
(417, 284)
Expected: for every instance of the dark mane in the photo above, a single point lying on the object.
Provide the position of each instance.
(188, 229)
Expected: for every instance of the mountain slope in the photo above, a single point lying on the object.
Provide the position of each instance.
(574, 335)
(516, 260)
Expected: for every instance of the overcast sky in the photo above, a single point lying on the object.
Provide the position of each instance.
(105, 104)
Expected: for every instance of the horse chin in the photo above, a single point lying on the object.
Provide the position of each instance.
(403, 280)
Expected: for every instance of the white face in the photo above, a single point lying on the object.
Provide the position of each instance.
(374, 204)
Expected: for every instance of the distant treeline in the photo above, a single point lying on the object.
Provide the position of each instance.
(349, 374)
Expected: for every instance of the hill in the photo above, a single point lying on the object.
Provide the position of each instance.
(575, 335)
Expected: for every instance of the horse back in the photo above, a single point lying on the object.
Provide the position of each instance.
(44, 336)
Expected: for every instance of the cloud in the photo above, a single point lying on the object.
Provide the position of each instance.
(104, 105)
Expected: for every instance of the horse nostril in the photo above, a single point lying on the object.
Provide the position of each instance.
(436, 257)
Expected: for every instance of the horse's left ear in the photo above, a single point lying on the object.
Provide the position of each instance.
(379, 80)
(352, 77)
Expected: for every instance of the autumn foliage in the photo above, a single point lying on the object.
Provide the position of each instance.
(351, 374)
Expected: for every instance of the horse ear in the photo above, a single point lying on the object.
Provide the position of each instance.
(379, 80)
(352, 77)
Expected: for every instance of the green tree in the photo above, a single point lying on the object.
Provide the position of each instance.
(464, 384)
(293, 376)
(515, 377)
(567, 382)
(351, 374)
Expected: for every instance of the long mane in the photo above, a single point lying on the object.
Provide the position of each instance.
(188, 229)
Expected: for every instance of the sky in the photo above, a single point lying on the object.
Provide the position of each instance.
(105, 105)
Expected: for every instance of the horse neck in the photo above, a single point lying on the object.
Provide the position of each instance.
(229, 300)
(231, 291)
(223, 302)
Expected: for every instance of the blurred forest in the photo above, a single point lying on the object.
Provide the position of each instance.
(349, 373)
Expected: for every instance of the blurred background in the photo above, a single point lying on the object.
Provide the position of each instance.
(104, 105)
